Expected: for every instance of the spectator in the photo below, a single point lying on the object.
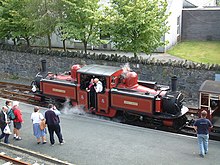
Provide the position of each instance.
(17, 121)
(8, 104)
(10, 113)
(4, 121)
(36, 118)
(202, 127)
(53, 124)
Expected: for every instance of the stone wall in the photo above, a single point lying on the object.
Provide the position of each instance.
(26, 62)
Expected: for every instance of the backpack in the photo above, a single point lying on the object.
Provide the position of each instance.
(11, 114)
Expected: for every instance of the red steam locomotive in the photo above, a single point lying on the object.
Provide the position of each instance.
(122, 92)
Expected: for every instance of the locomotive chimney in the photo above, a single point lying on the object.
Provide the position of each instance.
(44, 67)
(174, 83)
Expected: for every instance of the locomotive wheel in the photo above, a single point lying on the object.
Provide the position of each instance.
(129, 117)
(58, 103)
(180, 122)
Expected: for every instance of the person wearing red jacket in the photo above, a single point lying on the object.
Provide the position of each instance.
(17, 121)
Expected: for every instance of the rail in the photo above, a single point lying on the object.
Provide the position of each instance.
(21, 156)
(18, 92)
(12, 160)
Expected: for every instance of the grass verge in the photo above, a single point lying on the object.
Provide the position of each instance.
(198, 51)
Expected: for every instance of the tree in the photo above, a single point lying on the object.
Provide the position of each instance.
(137, 25)
(44, 17)
(83, 21)
(61, 10)
(14, 21)
(4, 22)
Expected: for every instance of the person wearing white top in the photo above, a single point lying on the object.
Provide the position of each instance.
(36, 118)
(98, 87)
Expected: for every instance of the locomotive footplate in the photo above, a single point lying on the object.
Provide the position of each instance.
(184, 110)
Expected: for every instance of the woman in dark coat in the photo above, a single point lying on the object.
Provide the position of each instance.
(92, 96)
(3, 123)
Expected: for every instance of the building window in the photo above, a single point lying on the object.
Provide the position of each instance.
(178, 25)
(217, 77)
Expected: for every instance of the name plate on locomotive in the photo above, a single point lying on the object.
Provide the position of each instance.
(58, 90)
(130, 103)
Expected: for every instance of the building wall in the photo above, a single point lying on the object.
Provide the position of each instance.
(201, 24)
(175, 8)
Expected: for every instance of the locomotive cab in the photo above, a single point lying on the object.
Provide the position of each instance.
(108, 77)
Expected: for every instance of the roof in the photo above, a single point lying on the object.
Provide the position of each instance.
(204, 8)
(101, 70)
(187, 4)
(200, 3)
(210, 86)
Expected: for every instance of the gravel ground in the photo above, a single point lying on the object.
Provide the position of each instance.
(9, 78)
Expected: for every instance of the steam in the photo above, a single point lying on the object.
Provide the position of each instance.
(69, 109)
(126, 68)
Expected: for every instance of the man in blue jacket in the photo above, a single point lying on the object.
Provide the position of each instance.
(202, 127)
(53, 124)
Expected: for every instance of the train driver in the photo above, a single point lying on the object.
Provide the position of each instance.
(98, 86)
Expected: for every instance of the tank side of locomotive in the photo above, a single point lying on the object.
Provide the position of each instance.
(147, 98)
(55, 86)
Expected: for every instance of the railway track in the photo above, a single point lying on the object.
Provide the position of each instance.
(18, 92)
(10, 154)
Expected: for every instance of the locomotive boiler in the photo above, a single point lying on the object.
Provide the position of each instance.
(122, 92)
